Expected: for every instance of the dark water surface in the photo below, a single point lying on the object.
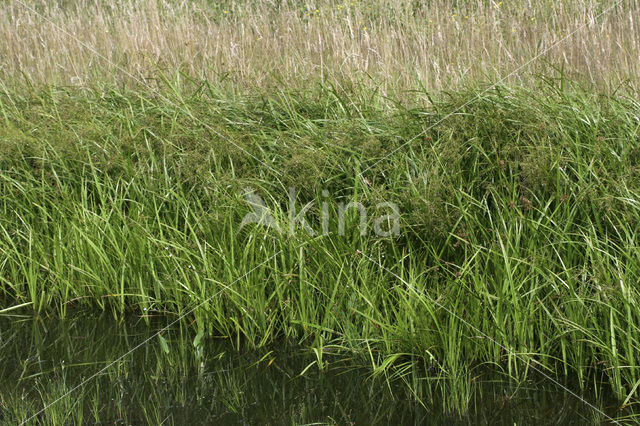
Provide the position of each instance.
(173, 381)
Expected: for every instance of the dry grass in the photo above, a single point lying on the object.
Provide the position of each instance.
(394, 44)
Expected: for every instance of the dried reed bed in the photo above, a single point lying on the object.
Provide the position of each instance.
(391, 44)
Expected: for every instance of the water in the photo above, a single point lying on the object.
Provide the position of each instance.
(42, 360)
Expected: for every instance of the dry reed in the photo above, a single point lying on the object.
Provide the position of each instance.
(391, 44)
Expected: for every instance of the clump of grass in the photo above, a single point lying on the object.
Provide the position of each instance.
(519, 209)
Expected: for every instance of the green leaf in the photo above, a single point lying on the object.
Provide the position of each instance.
(198, 338)
(163, 344)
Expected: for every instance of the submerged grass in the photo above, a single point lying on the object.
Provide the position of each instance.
(215, 384)
(518, 210)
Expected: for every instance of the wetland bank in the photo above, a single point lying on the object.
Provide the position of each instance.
(474, 254)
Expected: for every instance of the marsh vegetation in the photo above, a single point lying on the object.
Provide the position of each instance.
(123, 195)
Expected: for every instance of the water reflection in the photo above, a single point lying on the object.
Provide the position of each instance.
(175, 382)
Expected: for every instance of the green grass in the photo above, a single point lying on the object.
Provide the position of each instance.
(519, 215)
